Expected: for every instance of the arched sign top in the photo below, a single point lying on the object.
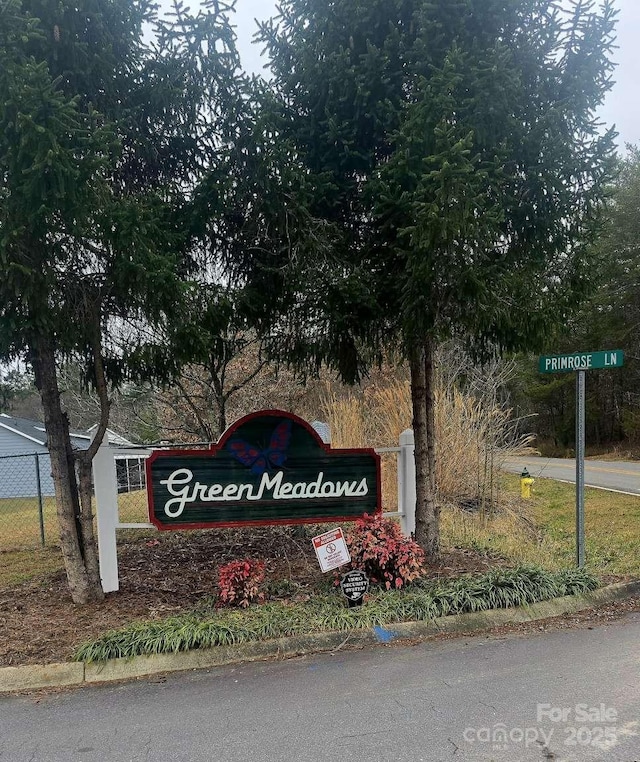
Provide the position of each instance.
(233, 429)
(270, 467)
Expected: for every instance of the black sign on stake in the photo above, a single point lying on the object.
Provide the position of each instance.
(354, 585)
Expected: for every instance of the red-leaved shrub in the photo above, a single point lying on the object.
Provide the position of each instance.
(378, 546)
(239, 583)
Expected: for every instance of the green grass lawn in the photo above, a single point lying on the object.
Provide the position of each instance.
(547, 533)
(22, 555)
(132, 507)
(20, 523)
(612, 526)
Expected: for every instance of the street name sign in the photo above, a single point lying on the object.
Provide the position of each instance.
(269, 467)
(581, 361)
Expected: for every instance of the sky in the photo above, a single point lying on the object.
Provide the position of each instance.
(622, 107)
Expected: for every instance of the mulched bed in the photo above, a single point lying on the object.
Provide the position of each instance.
(164, 575)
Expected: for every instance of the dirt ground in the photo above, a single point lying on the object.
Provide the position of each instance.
(165, 575)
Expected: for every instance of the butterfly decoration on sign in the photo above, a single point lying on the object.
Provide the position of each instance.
(260, 460)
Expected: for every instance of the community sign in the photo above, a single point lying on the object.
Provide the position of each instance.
(270, 467)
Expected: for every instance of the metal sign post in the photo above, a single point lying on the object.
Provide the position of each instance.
(580, 362)
(580, 420)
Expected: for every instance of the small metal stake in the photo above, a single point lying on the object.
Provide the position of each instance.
(580, 406)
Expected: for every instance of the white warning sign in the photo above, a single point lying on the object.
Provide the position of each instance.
(331, 549)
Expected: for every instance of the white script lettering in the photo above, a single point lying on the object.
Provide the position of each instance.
(184, 490)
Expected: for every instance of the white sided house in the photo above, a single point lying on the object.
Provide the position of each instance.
(24, 458)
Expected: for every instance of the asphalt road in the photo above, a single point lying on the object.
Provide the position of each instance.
(618, 476)
(563, 695)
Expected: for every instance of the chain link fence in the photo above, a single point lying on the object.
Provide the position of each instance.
(131, 478)
(132, 489)
(27, 504)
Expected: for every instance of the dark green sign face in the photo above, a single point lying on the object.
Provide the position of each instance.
(581, 361)
(268, 468)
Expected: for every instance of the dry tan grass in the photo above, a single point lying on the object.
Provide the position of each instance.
(348, 419)
(472, 436)
(508, 532)
(374, 418)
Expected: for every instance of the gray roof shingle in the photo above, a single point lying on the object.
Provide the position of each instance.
(33, 430)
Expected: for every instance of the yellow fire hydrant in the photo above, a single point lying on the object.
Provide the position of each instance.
(525, 483)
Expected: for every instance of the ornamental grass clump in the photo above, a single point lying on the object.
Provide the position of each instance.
(378, 547)
(420, 601)
(505, 588)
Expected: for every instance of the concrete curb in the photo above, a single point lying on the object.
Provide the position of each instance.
(32, 677)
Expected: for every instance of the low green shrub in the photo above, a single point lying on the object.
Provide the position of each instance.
(501, 588)
(281, 588)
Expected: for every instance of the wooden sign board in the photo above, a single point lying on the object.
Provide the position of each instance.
(270, 467)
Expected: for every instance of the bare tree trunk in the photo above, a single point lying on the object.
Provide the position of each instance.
(222, 417)
(220, 398)
(75, 549)
(430, 402)
(427, 512)
(205, 432)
